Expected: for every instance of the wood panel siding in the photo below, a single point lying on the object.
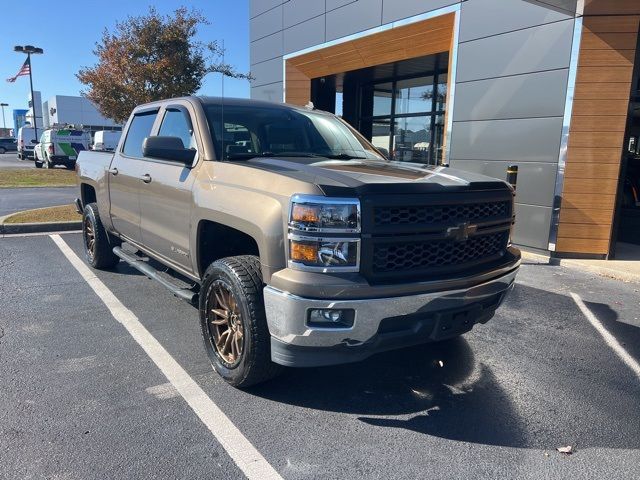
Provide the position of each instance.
(598, 122)
(415, 40)
(611, 7)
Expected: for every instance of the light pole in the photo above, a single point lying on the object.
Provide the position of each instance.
(4, 124)
(30, 49)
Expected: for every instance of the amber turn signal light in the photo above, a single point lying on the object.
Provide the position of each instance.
(304, 252)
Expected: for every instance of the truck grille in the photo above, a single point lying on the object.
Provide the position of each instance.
(412, 215)
(413, 237)
(408, 256)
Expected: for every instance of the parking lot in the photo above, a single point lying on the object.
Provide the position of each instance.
(83, 398)
(10, 160)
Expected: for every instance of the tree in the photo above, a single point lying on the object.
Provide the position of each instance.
(151, 57)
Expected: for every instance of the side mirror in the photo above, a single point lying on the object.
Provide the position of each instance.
(167, 148)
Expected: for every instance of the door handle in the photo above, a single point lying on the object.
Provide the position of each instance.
(113, 171)
(146, 178)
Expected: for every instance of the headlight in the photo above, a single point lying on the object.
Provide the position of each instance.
(323, 234)
(322, 214)
(324, 253)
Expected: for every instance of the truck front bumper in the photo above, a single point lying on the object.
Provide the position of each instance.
(379, 323)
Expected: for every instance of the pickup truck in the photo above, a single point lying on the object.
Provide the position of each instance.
(300, 242)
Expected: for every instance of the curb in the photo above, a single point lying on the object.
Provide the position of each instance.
(17, 228)
(583, 266)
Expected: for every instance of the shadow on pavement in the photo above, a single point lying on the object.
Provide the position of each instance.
(442, 390)
(627, 334)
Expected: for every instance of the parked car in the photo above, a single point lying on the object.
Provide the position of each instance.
(8, 145)
(26, 143)
(106, 140)
(300, 243)
(60, 146)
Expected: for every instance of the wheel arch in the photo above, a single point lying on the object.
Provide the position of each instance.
(239, 236)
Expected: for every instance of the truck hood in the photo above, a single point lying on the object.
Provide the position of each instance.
(348, 177)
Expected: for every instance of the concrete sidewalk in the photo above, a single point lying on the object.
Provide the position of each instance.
(625, 267)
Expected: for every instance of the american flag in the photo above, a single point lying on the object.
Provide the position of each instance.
(24, 70)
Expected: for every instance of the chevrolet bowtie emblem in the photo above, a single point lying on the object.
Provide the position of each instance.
(461, 232)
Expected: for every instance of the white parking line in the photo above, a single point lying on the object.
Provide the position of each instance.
(631, 362)
(243, 453)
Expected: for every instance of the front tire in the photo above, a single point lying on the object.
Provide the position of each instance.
(38, 163)
(233, 321)
(97, 249)
(3, 150)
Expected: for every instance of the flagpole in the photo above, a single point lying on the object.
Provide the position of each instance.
(28, 50)
(33, 100)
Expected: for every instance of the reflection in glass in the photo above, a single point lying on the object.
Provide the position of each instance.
(406, 115)
(411, 139)
(381, 134)
(382, 99)
(414, 95)
(441, 97)
(438, 140)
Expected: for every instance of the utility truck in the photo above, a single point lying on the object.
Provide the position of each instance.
(60, 146)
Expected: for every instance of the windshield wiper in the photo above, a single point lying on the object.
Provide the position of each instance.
(248, 155)
(342, 156)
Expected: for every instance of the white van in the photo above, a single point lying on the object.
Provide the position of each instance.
(26, 142)
(106, 140)
(60, 146)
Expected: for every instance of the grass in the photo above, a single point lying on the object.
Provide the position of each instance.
(64, 213)
(27, 177)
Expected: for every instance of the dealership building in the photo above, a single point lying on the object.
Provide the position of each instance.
(549, 86)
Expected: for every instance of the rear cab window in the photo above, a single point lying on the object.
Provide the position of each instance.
(139, 129)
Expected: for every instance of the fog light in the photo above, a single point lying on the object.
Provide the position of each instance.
(331, 318)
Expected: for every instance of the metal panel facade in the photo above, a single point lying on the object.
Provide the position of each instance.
(511, 83)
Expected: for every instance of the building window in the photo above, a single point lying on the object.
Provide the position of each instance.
(406, 116)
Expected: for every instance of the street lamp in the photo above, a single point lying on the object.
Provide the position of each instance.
(4, 124)
(29, 50)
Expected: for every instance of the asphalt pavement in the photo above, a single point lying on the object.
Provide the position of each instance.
(81, 398)
(16, 199)
(10, 160)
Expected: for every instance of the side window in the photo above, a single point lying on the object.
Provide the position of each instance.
(139, 129)
(176, 124)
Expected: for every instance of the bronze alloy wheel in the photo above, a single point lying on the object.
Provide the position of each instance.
(225, 324)
(89, 236)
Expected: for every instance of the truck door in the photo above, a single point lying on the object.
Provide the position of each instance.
(166, 199)
(126, 176)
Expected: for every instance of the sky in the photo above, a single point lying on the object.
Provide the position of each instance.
(68, 31)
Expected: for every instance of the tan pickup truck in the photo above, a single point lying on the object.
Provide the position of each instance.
(300, 242)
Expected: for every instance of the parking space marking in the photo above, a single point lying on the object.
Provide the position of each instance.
(239, 448)
(610, 340)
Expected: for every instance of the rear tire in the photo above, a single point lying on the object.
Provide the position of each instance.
(3, 150)
(98, 251)
(240, 279)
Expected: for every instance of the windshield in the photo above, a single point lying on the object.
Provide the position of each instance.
(251, 131)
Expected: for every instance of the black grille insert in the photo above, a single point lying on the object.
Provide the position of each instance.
(409, 256)
(434, 214)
